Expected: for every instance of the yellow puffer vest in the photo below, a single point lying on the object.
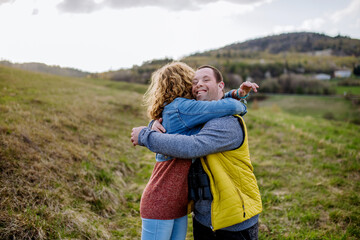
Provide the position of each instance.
(236, 195)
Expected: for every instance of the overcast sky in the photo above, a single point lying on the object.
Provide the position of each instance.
(102, 35)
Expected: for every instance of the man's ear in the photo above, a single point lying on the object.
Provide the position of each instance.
(221, 85)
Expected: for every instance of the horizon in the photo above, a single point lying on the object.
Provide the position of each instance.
(93, 36)
(64, 67)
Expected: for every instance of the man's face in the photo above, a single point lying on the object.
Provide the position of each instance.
(205, 87)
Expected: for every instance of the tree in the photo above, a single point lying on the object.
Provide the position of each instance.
(356, 70)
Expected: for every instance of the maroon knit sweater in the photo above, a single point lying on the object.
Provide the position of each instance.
(166, 194)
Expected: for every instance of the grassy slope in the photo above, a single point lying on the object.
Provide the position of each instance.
(331, 107)
(348, 89)
(66, 158)
(67, 168)
(308, 173)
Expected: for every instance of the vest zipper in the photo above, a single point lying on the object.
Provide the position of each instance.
(212, 201)
(243, 202)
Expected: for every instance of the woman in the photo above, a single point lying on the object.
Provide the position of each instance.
(163, 206)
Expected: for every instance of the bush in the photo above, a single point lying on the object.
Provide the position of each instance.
(329, 116)
(296, 83)
(356, 70)
(270, 85)
(349, 82)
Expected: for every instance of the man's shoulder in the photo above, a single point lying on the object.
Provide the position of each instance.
(224, 122)
(226, 130)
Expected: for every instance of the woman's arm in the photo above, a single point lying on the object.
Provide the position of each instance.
(194, 113)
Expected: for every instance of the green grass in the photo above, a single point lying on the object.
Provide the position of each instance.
(348, 90)
(68, 169)
(308, 174)
(66, 158)
(329, 107)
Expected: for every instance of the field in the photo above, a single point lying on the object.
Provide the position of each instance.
(68, 169)
(329, 107)
(348, 89)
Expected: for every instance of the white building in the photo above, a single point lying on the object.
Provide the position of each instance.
(322, 76)
(345, 73)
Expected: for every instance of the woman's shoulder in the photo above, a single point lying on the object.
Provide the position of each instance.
(178, 102)
(181, 99)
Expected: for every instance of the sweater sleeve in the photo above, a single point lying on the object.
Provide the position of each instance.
(217, 135)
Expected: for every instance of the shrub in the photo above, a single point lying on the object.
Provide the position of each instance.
(356, 70)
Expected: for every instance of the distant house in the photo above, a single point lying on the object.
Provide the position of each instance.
(344, 73)
(325, 52)
(322, 76)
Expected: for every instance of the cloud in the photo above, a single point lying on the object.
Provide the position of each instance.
(88, 6)
(352, 9)
(285, 28)
(6, 1)
(315, 24)
(35, 11)
(312, 24)
(79, 6)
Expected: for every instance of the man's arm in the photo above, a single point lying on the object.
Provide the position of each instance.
(217, 135)
(244, 89)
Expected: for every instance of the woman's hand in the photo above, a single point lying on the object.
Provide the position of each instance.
(157, 126)
(135, 135)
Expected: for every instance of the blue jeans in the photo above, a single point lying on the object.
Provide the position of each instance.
(155, 229)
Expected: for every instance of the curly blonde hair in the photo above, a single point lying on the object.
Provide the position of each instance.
(167, 83)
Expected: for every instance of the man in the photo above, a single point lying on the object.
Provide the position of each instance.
(222, 184)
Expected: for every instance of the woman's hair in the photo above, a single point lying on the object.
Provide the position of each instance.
(167, 83)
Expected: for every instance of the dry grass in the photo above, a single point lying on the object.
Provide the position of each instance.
(65, 157)
(69, 171)
(308, 170)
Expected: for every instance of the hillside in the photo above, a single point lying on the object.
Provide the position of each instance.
(299, 53)
(301, 42)
(43, 68)
(68, 169)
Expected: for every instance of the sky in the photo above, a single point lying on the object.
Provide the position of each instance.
(103, 35)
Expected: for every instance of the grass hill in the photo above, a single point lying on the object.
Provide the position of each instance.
(43, 68)
(67, 166)
(68, 169)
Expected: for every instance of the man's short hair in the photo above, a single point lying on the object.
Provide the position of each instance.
(217, 73)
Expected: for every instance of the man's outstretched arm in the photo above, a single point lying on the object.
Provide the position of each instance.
(217, 135)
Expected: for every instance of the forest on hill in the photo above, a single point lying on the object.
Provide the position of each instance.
(285, 63)
(302, 42)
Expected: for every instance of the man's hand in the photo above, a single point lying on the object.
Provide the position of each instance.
(135, 135)
(246, 87)
(157, 126)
